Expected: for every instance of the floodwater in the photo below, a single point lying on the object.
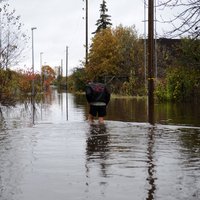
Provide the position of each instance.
(62, 156)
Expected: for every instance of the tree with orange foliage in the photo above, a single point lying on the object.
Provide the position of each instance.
(25, 81)
(48, 76)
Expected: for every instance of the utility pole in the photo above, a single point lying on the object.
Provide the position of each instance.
(0, 41)
(67, 83)
(61, 68)
(151, 61)
(86, 32)
(66, 66)
(41, 74)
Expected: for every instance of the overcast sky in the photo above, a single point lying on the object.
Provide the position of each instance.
(60, 23)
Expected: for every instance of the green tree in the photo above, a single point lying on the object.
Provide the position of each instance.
(77, 80)
(167, 54)
(8, 87)
(126, 38)
(190, 53)
(181, 84)
(104, 21)
(182, 80)
(131, 64)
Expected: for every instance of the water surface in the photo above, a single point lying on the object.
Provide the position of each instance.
(124, 159)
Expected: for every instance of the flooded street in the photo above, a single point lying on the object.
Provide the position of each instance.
(64, 157)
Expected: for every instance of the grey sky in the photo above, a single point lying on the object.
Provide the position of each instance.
(60, 23)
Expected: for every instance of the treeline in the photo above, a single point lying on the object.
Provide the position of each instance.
(117, 56)
(16, 84)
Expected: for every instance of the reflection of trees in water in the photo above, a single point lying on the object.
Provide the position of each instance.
(23, 112)
(3, 124)
(190, 139)
(127, 109)
(181, 113)
(190, 153)
(133, 109)
(151, 165)
(80, 102)
(98, 147)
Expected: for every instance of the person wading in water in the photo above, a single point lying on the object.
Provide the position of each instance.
(98, 97)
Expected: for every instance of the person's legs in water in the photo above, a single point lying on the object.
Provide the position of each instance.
(101, 113)
(94, 110)
(92, 113)
(90, 118)
(101, 120)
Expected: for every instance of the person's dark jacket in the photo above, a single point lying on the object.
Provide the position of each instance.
(97, 92)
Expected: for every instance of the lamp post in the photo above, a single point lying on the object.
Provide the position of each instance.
(0, 41)
(33, 87)
(41, 53)
(67, 54)
(86, 32)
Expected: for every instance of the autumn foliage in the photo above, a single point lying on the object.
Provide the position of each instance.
(14, 84)
(48, 76)
(117, 54)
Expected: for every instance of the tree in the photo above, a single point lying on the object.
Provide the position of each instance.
(77, 80)
(130, 50)
(131, 65)
(103, 56)
(187, 21)
(181, 85)
(117, 55)
(182, 79)
(104, 21)
(190, 53)
(126, 38)
(8, 87)
(48, 76)
(13, 41)
(25, 78)
(168, 53)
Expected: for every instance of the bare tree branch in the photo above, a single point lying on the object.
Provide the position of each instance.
(186, 17)
(12, 37)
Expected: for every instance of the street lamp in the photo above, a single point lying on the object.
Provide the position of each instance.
(33, 89)
(86, 31)
(67, 54)
(41, 68)
(0, 41)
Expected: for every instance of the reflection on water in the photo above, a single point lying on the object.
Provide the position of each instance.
(72, 159)
(97, 147)
(135, 110)
(128, 110)
(150, 163)
(178, 114)
(76, 160)
(59, 107)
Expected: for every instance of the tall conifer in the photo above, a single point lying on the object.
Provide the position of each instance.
(104, 21)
